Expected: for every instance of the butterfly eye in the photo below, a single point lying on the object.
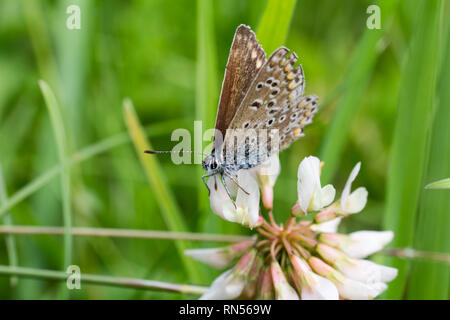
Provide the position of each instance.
(214, 165)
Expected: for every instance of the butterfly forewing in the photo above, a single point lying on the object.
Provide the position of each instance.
(244, 62)
(273, 102)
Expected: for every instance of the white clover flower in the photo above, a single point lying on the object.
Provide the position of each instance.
(297, 259)
(311, 195)
(267, 174)
(246, 211)
(354, 202)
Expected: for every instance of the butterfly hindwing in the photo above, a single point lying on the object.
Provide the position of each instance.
(274, 101)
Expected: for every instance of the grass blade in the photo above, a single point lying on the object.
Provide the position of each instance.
(170, 211)
(206, 98)
(354, 85)
(7, 221)
(429, 279)
(274, 24)
(440, 184)
(60, 137)
(409, 150)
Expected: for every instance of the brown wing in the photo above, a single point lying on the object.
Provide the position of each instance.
(245, 60)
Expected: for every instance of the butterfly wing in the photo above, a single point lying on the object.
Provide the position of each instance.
(274, 101)
(244, 62)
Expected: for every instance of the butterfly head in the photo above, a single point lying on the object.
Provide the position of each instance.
(210, 163)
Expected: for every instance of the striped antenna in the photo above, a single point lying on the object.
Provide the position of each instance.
(183, 151)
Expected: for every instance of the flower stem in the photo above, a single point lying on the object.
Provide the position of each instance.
(103, 280)
(124, 233)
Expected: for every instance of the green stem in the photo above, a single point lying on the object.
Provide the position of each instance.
(11, 247)
(103, 280)
(124, 233)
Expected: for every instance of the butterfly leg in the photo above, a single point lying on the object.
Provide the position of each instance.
(234, 179)
(227, 190)
(204, 181)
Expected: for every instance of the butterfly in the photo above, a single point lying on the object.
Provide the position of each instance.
(258, 95)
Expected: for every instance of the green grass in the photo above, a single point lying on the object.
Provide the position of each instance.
(429, 280)
(169, 209)
(60, 136)
(409, 153)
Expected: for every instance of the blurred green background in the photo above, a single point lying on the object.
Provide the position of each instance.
(385, 101)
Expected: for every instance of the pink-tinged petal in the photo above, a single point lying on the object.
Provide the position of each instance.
(267, 196)
(266, 291)
(312, 286)
(296, 211)
(330, 254)
(225, 287)
(266, 175)
(347, 288)
(252, 279)
(327, 226)
(283, 291)
(219, 257)
(360, 270)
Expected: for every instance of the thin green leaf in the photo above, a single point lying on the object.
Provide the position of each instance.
(274, 24)
(60, 137)
(440, 184)
(409, 150)
(429, 279)
(206, 96)
(7, 221)
(156, 178)
(354, 85)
